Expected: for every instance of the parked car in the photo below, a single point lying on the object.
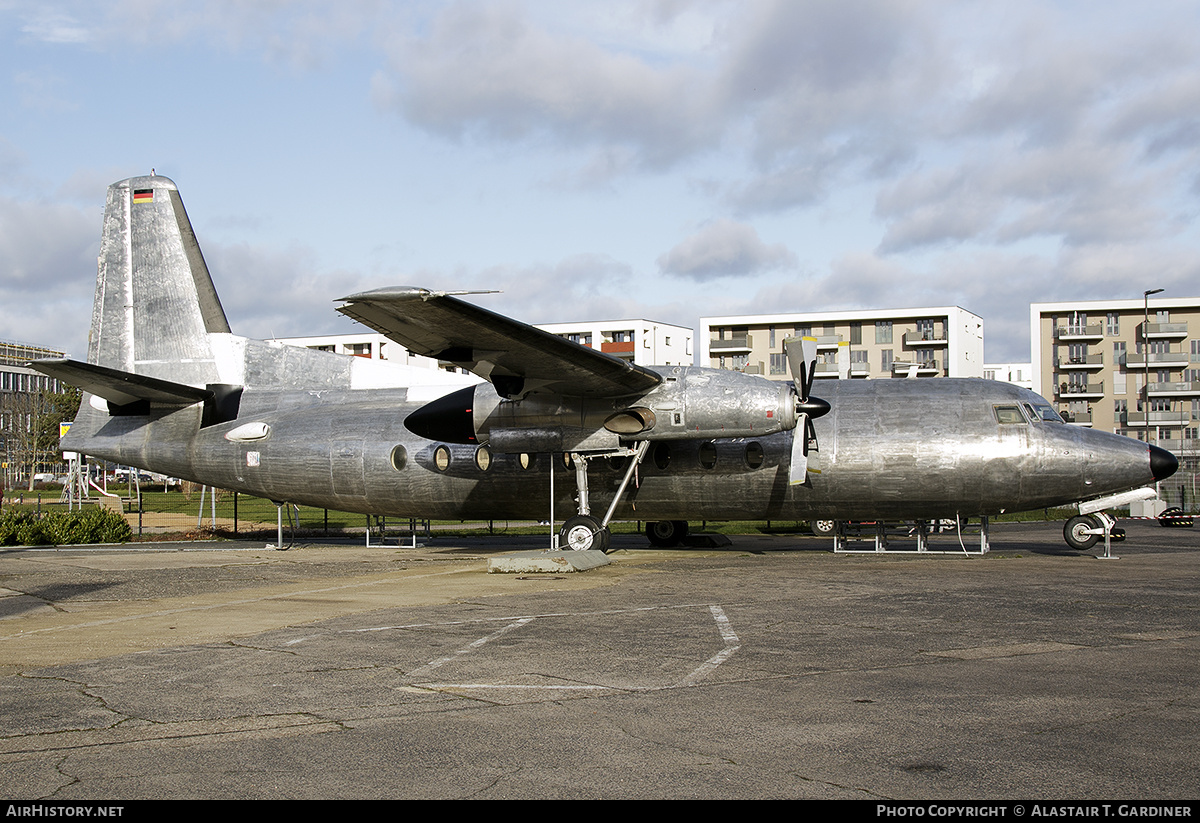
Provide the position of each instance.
(1175, 516)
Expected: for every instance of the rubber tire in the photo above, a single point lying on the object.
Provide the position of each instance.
(583, 533)
(1073, 532)
(666, 534)
(824, 528)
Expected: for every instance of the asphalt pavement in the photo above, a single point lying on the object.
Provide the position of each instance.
(772, 668)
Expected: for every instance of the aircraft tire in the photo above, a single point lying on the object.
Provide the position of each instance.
(824, 528)
(1075, 532)
(583, 533)
(666, 534)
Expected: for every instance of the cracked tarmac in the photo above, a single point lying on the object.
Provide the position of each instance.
(771, 669)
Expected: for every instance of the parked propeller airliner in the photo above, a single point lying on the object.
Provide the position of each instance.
(168, 388)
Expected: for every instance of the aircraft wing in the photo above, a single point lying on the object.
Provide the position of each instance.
(516, 358)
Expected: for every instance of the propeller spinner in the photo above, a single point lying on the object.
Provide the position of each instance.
(802, 362)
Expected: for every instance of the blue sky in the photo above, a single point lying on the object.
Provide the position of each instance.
(660, 159)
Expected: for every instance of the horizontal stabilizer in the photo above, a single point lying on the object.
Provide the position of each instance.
(121, 388)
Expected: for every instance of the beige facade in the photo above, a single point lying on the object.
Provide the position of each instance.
(1125, 366)
(930, 342)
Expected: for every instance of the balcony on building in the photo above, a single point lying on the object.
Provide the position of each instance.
(1166, 360)
(1077, 418)
(623, 349)
(1157, 418)
(925, 339)
(928, 368)
(1089, 332)
(827, 342)
(1184, 388)
(1079, 391)
(860, 369)
(738, 344)
(1163, 331)
(1089, 361)
(826, 370)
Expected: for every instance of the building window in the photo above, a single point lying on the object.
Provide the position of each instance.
(779, 364)
(771, 337)
(856, 334)
(885, 359)
(1112, 324)
(883, 331)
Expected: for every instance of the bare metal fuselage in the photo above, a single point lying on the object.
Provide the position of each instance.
(888, 449)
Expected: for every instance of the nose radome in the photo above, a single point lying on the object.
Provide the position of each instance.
(1163, 464)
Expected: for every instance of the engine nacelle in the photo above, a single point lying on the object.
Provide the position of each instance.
(689, 403)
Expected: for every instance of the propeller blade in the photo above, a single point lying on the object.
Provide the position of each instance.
(802, 362)
(806, 457)
(798, 469)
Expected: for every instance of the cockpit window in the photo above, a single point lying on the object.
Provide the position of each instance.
(1008, 414)
(1041, 413)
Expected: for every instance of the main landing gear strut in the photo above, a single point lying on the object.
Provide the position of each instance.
(583, 532)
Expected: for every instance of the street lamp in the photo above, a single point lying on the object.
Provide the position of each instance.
(1146, 360)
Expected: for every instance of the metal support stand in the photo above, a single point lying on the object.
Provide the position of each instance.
(381, 523)
(884, 542)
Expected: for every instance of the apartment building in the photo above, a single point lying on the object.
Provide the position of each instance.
(22, 401)
(945, 341)
(1125, 366)
(645, 342)
(1019, 374)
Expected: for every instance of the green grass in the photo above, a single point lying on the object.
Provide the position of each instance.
(258, 516)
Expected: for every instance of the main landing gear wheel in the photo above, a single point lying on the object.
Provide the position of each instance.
(583, 533)
(1076, 532)
(666, 533)
(824, 528)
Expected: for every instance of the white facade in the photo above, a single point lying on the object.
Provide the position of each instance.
(645, 342)
(1019, 374)
(944, 341)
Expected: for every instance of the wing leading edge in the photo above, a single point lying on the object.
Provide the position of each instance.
(516, 358)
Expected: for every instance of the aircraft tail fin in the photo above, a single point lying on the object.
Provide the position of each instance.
(155, 301)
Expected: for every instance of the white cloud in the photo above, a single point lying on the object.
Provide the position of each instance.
(725, 248)
(489, 71)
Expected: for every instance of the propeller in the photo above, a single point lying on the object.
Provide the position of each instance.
(802, 362)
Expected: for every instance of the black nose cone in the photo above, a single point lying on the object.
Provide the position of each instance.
(1163, 464)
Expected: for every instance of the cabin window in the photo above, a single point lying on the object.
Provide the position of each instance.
(399, 458)
(1007, 415)
(662, 455)
(708, 454)
(525, 460)
(483, 458)
(754, 455)
(441, 458)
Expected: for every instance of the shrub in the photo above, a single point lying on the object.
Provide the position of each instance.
(93, 524)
